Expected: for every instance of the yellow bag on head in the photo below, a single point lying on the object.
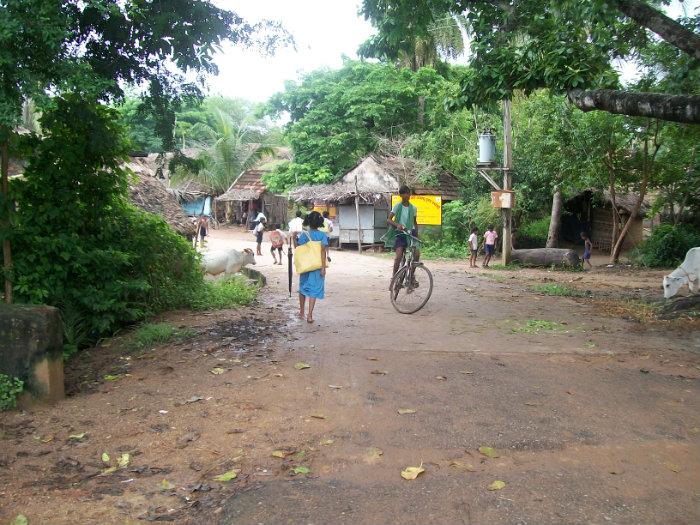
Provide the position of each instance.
(308, 256)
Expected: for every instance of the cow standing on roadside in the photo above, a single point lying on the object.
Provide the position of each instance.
(688, 272)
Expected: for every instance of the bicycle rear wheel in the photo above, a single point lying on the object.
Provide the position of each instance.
(410, 293)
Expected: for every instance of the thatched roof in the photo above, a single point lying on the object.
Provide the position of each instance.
(151, 195)
(625, 201)
(249, 185)
(375, 177)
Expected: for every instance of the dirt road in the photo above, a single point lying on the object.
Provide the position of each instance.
(594, 418)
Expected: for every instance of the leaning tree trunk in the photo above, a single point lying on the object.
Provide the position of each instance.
(546, 257)
(674, 108)
(5, 209)
(555, 221)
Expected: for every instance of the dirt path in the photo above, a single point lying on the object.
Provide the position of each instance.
(595, 419)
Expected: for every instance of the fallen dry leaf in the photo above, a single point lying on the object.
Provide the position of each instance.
(217, 370)
(374, 453)
(78, 437)
(335, 387)
(318, 416)
(441, 378)
(466, 372)
(302, 366)
(166, 485)
(326, 442)
(226, 476)
(462, 466)
(279, 454)
(379, 372)
(123, 460)
(497, 485)
(373, 359)
(403, 411)
(412, 472)
(489, 452)
(672, 467)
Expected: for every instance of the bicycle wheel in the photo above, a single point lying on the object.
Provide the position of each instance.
(411, 290)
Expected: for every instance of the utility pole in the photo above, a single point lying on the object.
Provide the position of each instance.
(507, 213)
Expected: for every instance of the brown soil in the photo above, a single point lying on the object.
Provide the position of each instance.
(595, 418)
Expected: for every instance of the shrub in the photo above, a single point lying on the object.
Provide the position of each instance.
(10, 388)
(228, 293)
(533, 233)
(666, 246)
(149, 334)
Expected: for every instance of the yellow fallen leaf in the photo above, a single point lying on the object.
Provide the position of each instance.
(105, 457)
(166, 485)
(123, 460)
(47, 439)
(318, 416)
(217, 370)
(78, 437)
(109, 470)
(672, 467)
(278, 454)
(497, 485)
(441, 378)
(412, 472)
(302, 366)
(462, 466)
(402, 411)
(226, 476)
(489, 452)
(326, 442)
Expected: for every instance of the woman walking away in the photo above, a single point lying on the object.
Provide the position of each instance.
(473, 247)
(587, 247)
(312, 284)
(277, 238)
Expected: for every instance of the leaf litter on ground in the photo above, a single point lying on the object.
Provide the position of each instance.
(404, 411)
(166, 485)
(410, 473)
(226, 476)
(217, 370)
(497, 485)
(489, 452)
(302, 366)
(301, 470)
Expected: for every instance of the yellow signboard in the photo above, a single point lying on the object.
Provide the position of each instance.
(429, 208)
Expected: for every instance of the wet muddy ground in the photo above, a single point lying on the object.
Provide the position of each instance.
(591, 406)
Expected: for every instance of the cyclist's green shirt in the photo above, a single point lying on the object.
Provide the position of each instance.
(405, 215)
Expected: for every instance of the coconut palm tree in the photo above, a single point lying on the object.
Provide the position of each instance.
(231, 143)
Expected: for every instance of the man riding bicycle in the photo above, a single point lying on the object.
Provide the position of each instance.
(403, 218)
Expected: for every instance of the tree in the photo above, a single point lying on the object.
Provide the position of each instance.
(565, 45)
(95, 47)
(336, 117)
(231, 139)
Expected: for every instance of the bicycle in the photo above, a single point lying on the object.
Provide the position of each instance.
(412, 284)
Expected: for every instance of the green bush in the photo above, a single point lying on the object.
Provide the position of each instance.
(80, 245)
(227, 293)
(10, 388)
(149, 334)
(666, 246)
(533, 233)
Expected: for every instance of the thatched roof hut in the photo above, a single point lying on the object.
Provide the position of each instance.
(374, 178)
(151, 195)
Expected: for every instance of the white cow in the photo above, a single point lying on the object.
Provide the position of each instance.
(227, 261)
(688, 272)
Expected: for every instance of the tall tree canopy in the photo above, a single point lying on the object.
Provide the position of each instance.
(564, 45)
(336, 117)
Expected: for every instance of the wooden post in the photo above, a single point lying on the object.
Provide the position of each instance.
(507, 213)
(6, 248)
(357, 213)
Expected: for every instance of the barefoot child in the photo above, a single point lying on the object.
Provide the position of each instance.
(489, 244)
(259, 229)
(587, 247)
(277, 239)
(312, 284)
(473, 247)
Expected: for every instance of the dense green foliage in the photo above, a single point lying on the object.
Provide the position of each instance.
(338, 117)
(79, 244)
(666, 246)
(228, 293)
(10, 388)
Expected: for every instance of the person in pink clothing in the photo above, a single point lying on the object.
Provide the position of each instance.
(490, 238)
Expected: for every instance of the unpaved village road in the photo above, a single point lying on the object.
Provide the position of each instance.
(595, 419)
(591, 423)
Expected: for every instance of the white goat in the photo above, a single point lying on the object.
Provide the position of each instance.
(688, 272)
(227, 261)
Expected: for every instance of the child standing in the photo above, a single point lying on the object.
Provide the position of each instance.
(587, 247)
(473, 247)
(259, 229)
(277, 238)
(490, 238)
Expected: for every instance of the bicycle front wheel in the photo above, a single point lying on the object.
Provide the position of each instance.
(410, 290)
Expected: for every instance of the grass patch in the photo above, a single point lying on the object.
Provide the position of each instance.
(559, 290)
(536, 326)
(150, 334)
(509, 266)
(496, 278)
(633, 309)
(227, 293)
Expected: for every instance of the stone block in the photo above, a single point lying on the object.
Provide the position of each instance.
(31, 348)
